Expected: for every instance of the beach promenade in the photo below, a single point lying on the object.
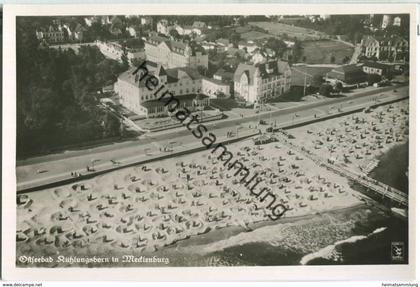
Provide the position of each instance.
(40, 172)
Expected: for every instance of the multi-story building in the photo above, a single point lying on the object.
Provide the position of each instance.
(163, 27)
(255, 83)
(385, 48)
(172, 54)
(114, 51)
(186, 84)
(52, 34)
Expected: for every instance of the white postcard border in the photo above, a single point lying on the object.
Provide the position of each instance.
(283, 273)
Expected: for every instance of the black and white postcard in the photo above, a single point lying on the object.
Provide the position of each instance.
(251, 141)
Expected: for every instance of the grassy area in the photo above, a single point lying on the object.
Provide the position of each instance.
(224, 104)
(294, 95)
(278, 29)
(254, 35)
(321, 52)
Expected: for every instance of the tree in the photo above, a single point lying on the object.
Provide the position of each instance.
(346, 59)
(56, 92)
(277, 45)
(297, 50)
(124, 59)
(373, 78)
(325, 90)
(338, 88)
(202, 70)
(221, 95)
(317, 81)
(174, 34)
(112, 125)
(135, 62)
(234, 38)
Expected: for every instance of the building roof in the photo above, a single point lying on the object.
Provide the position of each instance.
(185, 72)
(349, 73)
(266, 70)
(153, 69)
(223, 41)
(173, 75)
(224, 74)
(376, 65)
(175, 46)
(50, 28)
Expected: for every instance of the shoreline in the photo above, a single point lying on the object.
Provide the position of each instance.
(190, 244)
(236, 229)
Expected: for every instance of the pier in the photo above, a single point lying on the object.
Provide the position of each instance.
(371, 184)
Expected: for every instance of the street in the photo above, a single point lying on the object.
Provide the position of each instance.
(152, 144)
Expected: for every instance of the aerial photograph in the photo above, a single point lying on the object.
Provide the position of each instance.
(212, 140)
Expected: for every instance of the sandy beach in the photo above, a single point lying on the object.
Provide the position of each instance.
(145, 208)
(357, 140)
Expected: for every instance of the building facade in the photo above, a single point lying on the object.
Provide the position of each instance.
(163, 27)
(173, 54)
(385, 48)
(52, 34)
(114, 51)
(256, 83)
(186, 84)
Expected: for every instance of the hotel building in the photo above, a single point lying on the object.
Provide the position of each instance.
(174, 54)
(186, 84)
(255, 83)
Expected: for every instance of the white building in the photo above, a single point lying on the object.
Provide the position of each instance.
(114, 51)
(186, 84)
(146, 20)
(255, 83)
(172, 54)
(52, 34)
(132, 31)
(163, 27)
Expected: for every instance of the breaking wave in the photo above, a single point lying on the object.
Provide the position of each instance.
(329, 251)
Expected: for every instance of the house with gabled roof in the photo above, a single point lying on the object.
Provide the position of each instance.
(185, 83)
(173, 54)
(385, 48)
(256, 83)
